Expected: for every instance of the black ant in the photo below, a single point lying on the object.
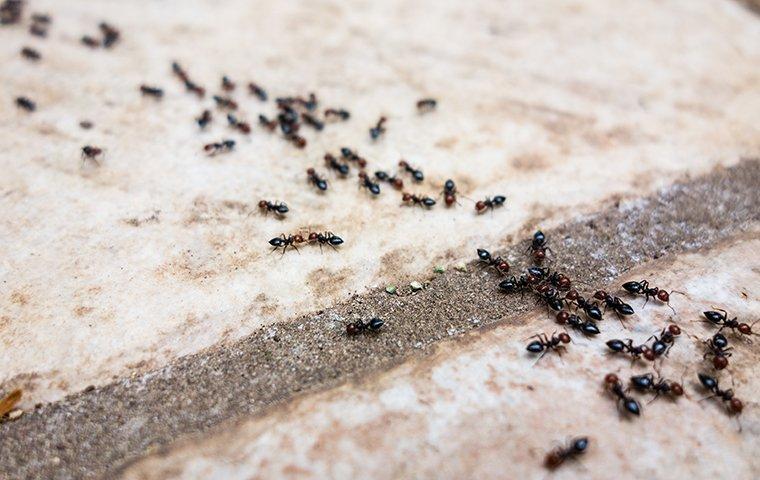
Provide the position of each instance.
(635, 351)
(227, 84)
(219, 147)
(615, 386)
(359, 326)
(337, 113)
(259, 92)
(718, 349)
(733, 404)
(189, 84)
(663, 343)
(544, 344)
(334, 164)
(587, 328)
(327, 238)
(42, 18)
(312, 121)
(378, 129)
(110, 34)
(557, 457)
(426, 105)
(501, 265)
(549, 295)
(91, 153)
(204, 119)
(642, 288)
(225, 102)
(30, 54)
(538, 246)
(512, 284)
(723, 320)
(422, 201)
(266, 123)
(155, 92)
(38, 30)
(86, 124)
(242, 127)
(284, 242)
(615, 303)
(490, 203)
(366, 182)
(416, 173)
(659, 386)
(278, 208)
(449, 192)
(89, 41)
(352, 156)
(397, 183)
(591, 309)
(296, 140)
(316, 180)
(26, 104)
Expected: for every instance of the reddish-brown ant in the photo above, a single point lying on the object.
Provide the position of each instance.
(422, 201)
(334, 164)
(242, 127)
(225, 102)
(296, 140)
(204, 119)
(11, 11)
(266, 123)
(286, 241)
(587, 327)
(89, 41)
(613, 385)
(189, 84)
(227, 84)
(538, 246)
(635, 351)
(357, 327)
(501, 265)
(257, 91)
(312, 121)
(591, 309)
(397, 183)
(722, 319)
(544, 344)
(366, 182)
(449, 192)
(557, 456)
(26, 104)
(91, 153)
(378, 129)
(110, 34)
(642, 288)
(416, 174)
(278, 208)
(659, 386)
(340, 114)
(718, 349)
(426, 105)
(490, 203)
(316, 180)
(219, 147)
(194, 88)
(149, 91)
(30, 54)
(326, 238)
(352, 156)
(615, 303)
(733, 404)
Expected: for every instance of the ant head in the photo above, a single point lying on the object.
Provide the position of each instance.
(601, 295)
(611, 379)
(310, 171)
(298, 238)
(564, 282)
(406, 197)
(539, 254)
(735, 406)
(313, 236)
(572, 295)
(480, 205)
(562, 317)
(449, 199)
(649, 354)
(262, 203)
(564, 337)
(362, 175)
(720, 362)
(745, 329)
(676, 388)
(402, 164)
(398, 183)
(674, 329)
(663, 296)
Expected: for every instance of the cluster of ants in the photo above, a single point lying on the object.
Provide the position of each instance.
(555, 290)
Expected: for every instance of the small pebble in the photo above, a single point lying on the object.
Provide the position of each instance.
(439, 269)
(391, 289)
(416, 286)
(461, 267)
(15, 414)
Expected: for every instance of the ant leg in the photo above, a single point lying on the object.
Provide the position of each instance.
(539, 357)
(707, 398)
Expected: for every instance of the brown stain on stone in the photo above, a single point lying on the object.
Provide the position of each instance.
(325, 282)
(446, 143)
(530, 162)
(19, 298)
(81, 311)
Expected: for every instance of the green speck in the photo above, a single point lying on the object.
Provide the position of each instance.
(391, 289)
(439, 269)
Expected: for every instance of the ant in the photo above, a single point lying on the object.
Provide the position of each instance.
(557, 457)
(591, 309)
(365, 182)
(86, 124)
(284, 242)
(718, 349)
(194, 88)
(204, 119)
(337, 113)
(490, 203)
(219, 147)
(243, 127)
(416, 174)
(550, 296)
(543, 343)
(11, 11)
(426, 105)
(359, 326)
(449, 192)
(38, 30)
(663, 343)
(110, 34)
(266, 123)
(259, 92)
(734, 405)
(227, 84)
(30, 54)
(225, 102)
(26, 104)
(659, 386)
(397, 183)
(560, 281)
(498, 263)
(378, 129)
(334, 164)
(642, 288)
(615, 386)
(615, 303)
(587, 328)
(412, 199)
(315, 179)
(91, 153)
(723, 320)
(151, 91)
(512, 284)
(296, 140)
(89, 41)
(538, 246)
(635, 351)
(312, 121)
(351, 156)
(277, 208)
(327, 238)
